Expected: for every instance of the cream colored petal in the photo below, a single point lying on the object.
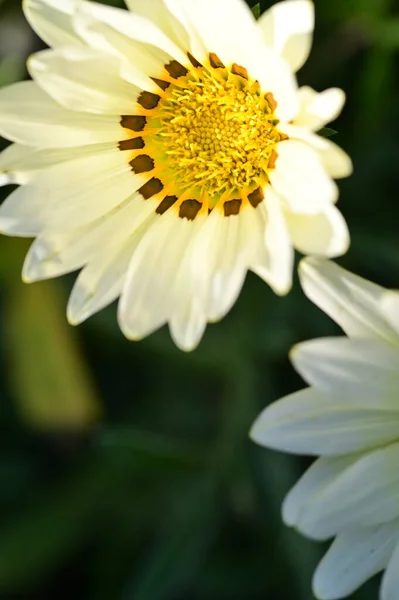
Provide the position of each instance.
(319, 476)
(20, 164)
(69, 195)
(58, 252)
(144, 46)
(354, 303)
(354, 557)
(228, 28)
(365, 370)
(300, 178)
(84, 79)
(335, 160)
(52, 21)
(274, 261)
(325, 234)
(287, 27)
(157, 12)
(390, 308)
(318, 109)
(150, 295)
(306, 422)
(188, 323)
(29, 116)
(357, 498)
(390, 580)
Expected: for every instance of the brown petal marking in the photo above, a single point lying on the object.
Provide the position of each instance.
(238, 70)
(151, 188)
(189, 209)
(270, 99)
(135, 123)
(148, 100)
(193, 60)
(135, 143)
(215, 61)
(161, 83)
(142, 164)
(175, 69)
(256, 197)
(166, 203)
(232, 207)
(272, 160)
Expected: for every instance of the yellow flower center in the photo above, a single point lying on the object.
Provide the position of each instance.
(211, 134)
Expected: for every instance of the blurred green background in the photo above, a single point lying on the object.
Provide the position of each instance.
(126, 472)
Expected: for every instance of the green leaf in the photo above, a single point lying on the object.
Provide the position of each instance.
(327, 132)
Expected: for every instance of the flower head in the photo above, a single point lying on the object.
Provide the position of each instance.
(350, 417)
(166, 150)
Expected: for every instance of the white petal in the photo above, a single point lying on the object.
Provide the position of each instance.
(318, 109)
(137, 39)
(100, 282)
(364, 494)
(20, 164)
(55, 253)
(29, 116)
(228, 28)
(365, 370)
(275, 263)
(299, 177)
(188, 323)
(52, 21)
(287, 27)
(335, 160)
(354, 303)
(325, 234)
(390, 580)
(84, 79)
(70, 194)
(307, 423)
(157, 12)
(354, 557)
(319, 476)
(150, 296)
(390, 308)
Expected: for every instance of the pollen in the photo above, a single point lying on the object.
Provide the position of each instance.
(217, 133)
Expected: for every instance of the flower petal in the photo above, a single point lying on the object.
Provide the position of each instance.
(150, 294)
(142, 44)
(364, 494)
(84, 79)
(390, 580)
(52, 21)
(301, 180)
(307, 423)
(354, 303)
(70, 194)
(325, 233)
(319, 476)
(274, 261)
(365, 370)
(29, 116)
(354, 557)
(335, 160)
(318, 109)
(288, 27)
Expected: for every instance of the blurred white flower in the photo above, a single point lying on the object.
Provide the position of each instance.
(350, 417)
(166, 151)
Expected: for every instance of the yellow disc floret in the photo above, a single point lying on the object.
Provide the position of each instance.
(217, 134)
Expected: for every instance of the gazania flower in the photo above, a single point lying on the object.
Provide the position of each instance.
(166, 151)
(350, 416)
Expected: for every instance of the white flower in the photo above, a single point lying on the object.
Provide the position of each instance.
(166, 151)
(349, 416)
